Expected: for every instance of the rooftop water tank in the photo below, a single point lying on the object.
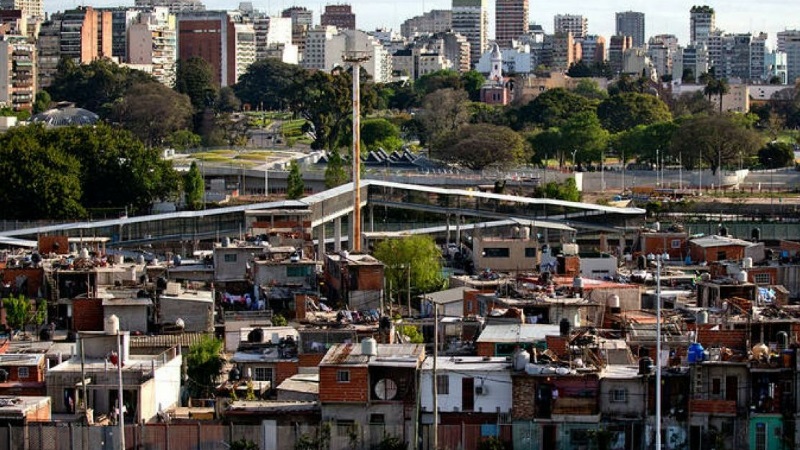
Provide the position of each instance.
(702, 317)
(564, 327)
(369, 347)
(645, 365)
(111, 325)
(760, 350)
(747, 263)
(521, 360)
(783, 339)
(613, 301)
(84, 253)
(741, 277)
(695, 353)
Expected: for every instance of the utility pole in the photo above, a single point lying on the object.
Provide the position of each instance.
(658, 352)
(434, 382)
(355, 58)
(121, 402)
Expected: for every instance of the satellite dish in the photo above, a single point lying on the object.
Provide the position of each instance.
(385, 389)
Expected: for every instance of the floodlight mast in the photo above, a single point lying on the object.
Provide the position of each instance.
(355, 58)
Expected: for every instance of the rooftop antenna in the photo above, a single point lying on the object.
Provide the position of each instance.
(355, 58)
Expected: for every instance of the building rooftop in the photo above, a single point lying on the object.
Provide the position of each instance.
(513, 333)
(468, 363)
(16, 407)
(391, 355)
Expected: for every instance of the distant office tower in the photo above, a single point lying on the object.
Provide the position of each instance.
(152, 41)
(663, 50)
(220, 38)
(302, 21)
(471, 20)
(271, 33)
(575, 24)
(436, 21)
(339, 16)
(630, 23)
(86, 34)
(17, 72)
(617, 47)
(701, 24)
(789, 43)
(175, 6)
(326, 48)
(511, 21)
(121, 18)
(563, 48)
(30, 8)
(693, 62)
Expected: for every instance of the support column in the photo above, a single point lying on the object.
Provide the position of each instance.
(337, 234)
(371, 218)
(447, 234)
(458, 230)
(321, 242)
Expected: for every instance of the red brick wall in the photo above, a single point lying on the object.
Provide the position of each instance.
(202, 38)
(300, 306)
(46, 245)
(772, 271)
(712, 407)
(655, 245)
(310, 359)
(40, 415)
(35, 279)
(725, 338)
(284, 370)
(370, 278)
(557, 344)
(485, 348)
(471, 303)
(87, 314)
(4, 346)
(523, 391)
(35, 373)
(732, 252)
(791, 246)
(354, 391)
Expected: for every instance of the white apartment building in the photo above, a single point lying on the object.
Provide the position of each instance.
(152, 41)
(271, 33)
(327, 46)
(17, 72)
(471, 20)
(244, 47)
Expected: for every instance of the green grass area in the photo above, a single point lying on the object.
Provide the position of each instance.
(258, 156)
(293, 128)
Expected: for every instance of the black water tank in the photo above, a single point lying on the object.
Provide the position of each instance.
(564, 327)
(641, 262)
(544, 278)
(723, 230)
(755, 234)
(234, 374)
(256, 335)
(645, 365)
(45, 335)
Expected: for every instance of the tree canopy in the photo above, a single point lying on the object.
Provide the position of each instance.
(271, 85)
(477, 146)
(552, 108)
(420, 253)
(21, 312)
(195, 78)
(629, 109)
(152, 112)
(711, 140)
(776, 154)
(380, 133)
(194, 188)
(203, 365)
(295, 188)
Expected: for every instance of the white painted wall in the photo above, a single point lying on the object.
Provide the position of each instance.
(497, 385)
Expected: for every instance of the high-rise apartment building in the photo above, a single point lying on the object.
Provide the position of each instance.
(631, 23)
(702, 23)
(326, 47)
(435, 21)
(593, 49)
(121, 18)
(339, 16)
(663, 50)
(220, 38)
(271, 32)
(471, 20)
(86, 34)
(511, 21)
(617, 47)
(789, 43)
(175, 6)
(17, 72)
(152, 41)
(32, 9)
(302, 21)
(571, 23)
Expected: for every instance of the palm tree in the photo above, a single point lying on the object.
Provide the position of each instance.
(718, 87)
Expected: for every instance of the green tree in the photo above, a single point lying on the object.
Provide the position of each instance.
(227, 101)
(643, 141)
(579, 69)
(42, 103)
(380, 133)
(95, 86)
(690, 103)
(420, 253)
(627, 110)
(295, 188)
(152, 112)
(21, 312)
(443, 111)
(194, 188)
(183, 140)
(583, 133)
(335, 172)
(472, 81)
(195, 78)
(34, 167)
(203, 366)
(243, 444)
(440, 79)
(776, 154)
(552, 108)
(271, 85)
(477, 146)
(326, 105)
(547, 144)
(720, 138)
(480, 112)
(590, 89)
(567, 191)
(412, 333)
(716, 87)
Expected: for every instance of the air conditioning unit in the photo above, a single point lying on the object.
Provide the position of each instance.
(480, 390)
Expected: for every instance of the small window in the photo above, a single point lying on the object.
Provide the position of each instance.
(676, 243)
(262, 374)
(762, 278)
(716, 386)
(495, 252)
(230, 258)
(343, 376)
(722, 256)
(443, 384)
(619, 396)
(22, 372)
(344, 427)
(377, 418)
(530, 252)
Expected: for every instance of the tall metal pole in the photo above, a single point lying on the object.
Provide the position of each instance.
(356, 58)
(121, 403)
(266, 177)
(658, 352)
(434, 383)
(623, 171)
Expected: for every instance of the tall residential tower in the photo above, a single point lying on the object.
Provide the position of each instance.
(471, 20)
(511, 21)
(631, 23)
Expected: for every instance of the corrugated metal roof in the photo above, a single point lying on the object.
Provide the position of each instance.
(513, 333)
(448, 295)
(392, 355)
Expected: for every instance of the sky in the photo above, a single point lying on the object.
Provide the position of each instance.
(732, 16)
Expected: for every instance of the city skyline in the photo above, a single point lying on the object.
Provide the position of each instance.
(735, 16)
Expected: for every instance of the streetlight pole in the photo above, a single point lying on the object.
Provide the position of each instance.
(623, 171)
(771, 188)
(573, 159)
(658, 352)
(658, 183)
(602, 170)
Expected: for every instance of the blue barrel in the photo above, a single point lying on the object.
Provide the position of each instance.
(695, 353)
